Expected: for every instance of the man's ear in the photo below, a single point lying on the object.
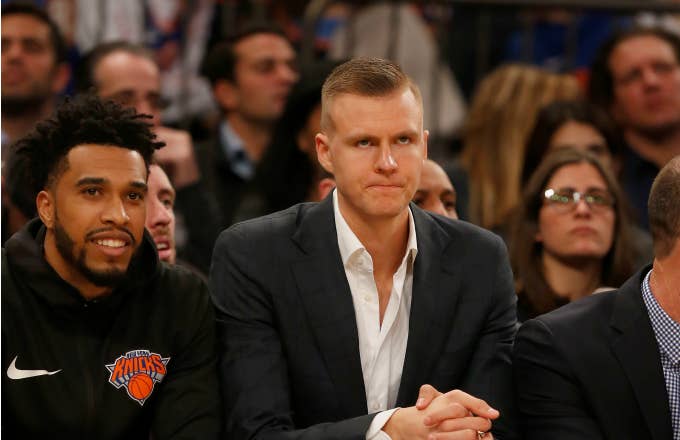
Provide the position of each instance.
(226, 94)
(323, 151)
(426, 136)
(45, 205)
(326, 185)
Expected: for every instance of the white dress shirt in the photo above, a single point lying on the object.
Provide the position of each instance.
(382, 348)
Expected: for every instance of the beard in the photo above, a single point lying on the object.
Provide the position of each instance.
(15, 106)
(66, 248)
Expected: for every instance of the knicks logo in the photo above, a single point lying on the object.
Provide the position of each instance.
(138, 371)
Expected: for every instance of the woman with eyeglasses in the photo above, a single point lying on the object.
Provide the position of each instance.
(570, 236)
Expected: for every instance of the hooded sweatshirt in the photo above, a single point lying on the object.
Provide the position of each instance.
(139, 361)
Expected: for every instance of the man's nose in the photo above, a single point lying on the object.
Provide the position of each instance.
(287, 74)
(116, 213)
(157, 214)
(385, 161)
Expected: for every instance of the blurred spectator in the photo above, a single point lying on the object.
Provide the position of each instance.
(435, 192)
(575, 124)
(252, 74)
(396, 31)
(289, 171)
(34, 70)
(176, 32)
(571, 235)
(500, 119)
(33, 73)
(636, 78)
(160, 217)
(127, 73)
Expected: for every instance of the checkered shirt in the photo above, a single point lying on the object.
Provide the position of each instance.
(667, 334)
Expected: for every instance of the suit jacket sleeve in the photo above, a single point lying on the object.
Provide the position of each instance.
(550, 402)
(253, 369)
(489, 375)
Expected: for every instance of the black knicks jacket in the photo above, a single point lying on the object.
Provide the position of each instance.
(139, 361)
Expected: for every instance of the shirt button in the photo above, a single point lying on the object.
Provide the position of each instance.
(367, 298)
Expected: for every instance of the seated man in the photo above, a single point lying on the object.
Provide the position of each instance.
(99, 340)
(333, 315)
(608, 366)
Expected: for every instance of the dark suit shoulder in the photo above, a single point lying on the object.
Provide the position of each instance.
(268, 227)
(465, 238)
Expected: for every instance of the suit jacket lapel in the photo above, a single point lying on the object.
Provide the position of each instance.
(431, 310)
(327, 300)
(637, 351)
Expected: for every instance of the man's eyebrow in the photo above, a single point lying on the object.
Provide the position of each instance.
(139, 184)
(91, 181)
(167, 192)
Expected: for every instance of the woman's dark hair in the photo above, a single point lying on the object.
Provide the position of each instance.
(553, 116)
(84, 120)
(526, 253)
(286, 175)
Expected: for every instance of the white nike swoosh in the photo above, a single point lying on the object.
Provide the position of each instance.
(14, 373)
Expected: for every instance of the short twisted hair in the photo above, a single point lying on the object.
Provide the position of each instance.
(84, 120)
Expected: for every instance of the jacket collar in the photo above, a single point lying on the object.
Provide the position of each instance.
(327, 300)
(636, 348)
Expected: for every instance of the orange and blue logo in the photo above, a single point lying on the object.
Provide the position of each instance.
(138, 371)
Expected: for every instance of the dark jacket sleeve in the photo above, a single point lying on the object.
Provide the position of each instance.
(189, 405)
(550, 402)
(489, 375)
(253, 367)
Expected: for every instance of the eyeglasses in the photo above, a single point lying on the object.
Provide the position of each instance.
(566, 199)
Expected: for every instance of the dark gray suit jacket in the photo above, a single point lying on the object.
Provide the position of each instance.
(592, 370)
(290, 362)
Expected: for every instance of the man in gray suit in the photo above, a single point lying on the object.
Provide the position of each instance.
(333, 315)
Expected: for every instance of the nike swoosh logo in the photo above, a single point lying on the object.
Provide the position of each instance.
(14, 373)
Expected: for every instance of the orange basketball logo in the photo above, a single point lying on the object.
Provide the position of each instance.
(140, 386)
(138, 371)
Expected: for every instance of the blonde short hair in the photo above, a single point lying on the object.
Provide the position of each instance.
(364, 76)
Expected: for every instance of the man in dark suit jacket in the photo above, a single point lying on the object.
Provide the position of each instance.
(608, 366)
(296, 308)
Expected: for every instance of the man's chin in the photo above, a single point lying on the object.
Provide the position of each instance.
(105, 278)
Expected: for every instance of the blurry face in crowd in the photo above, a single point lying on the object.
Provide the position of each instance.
(435, 192)
(573, 231)
(160, 217)
(131, 80)
(30, 73)
(264, 75)
(646, 79)
(305, 138)
(581, 136)
(375, 150)
(95, 214)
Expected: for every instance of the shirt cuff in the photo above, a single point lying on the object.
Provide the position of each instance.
(375, 431)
